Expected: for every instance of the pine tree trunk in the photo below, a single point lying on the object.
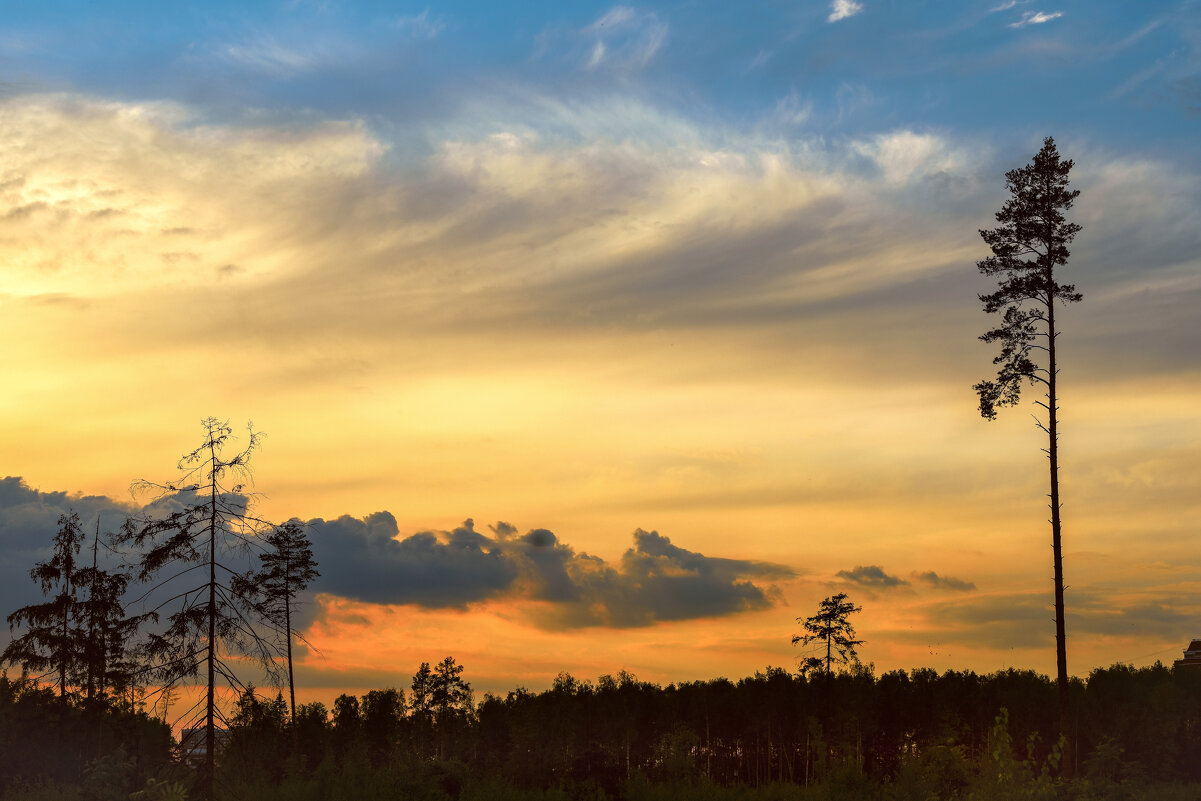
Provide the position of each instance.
(90, 652)
(288, 634)
(64, 653)
(62, 662)
(291, 680)
(210, 733)
(1061, 653)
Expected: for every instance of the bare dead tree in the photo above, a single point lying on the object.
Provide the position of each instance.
(193, 529)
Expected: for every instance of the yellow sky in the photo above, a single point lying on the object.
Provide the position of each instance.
(762, 350)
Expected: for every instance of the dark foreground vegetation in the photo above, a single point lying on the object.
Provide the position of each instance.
(906, 736)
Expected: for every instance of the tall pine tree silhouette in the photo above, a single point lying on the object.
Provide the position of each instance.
(1027, 246)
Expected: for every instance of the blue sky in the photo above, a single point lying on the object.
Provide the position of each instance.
(1121, 74)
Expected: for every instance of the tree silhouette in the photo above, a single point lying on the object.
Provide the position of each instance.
(383, 715)
(106, 630)
(214, 618)
(52, 638)
(832, 627)
(450, 698)
(83, 633)
(287, 568)
(1027, 246)
(421, 705)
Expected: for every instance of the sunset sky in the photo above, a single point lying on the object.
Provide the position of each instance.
(595, 337)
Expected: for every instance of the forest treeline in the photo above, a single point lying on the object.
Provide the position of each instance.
(777, 734)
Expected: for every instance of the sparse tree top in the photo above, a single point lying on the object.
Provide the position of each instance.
(831, 628)
(1030, 241)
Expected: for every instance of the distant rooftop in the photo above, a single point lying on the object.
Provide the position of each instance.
(1192, 654)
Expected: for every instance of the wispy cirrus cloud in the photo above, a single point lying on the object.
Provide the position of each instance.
(905, 156)
(420, 26)
(841, 9)
(1026, 619)
(938, 582)
(624, 39)
(268, 55)
(1035, 18)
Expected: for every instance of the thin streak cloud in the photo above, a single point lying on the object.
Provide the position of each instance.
(266, 55)
(1035, 18)
(623, 41)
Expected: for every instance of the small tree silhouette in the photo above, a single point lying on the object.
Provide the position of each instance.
(450, 698)
(421, 706)
(288, 567)
(832, 627)
(52, 640)
(106, 630)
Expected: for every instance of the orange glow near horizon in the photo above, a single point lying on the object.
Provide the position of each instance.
(763, 353)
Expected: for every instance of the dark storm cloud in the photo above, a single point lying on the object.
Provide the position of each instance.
(366, 560)
(872, 577)
(654, 580)
(363, 560)
(543, 562)
(29, 518)
(938, 582)
(28, 522)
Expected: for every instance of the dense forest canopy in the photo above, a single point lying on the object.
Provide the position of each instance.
(853, 732)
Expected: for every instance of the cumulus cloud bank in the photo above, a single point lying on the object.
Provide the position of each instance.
(28, 521)
(364, 559)
(655, 580)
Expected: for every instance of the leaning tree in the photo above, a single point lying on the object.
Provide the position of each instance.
(196, 525)
(1030, 242)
